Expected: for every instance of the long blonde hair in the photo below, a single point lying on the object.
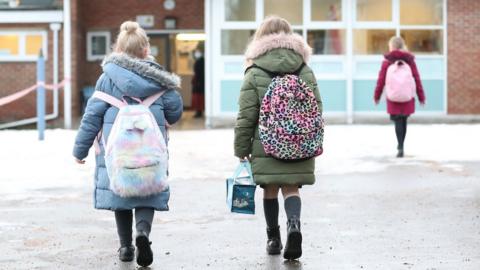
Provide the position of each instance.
(397, 43)
(273, 25)
(132, 40)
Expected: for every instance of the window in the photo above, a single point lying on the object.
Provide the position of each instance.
(371, 41)
(421, 12)
(22, 45)
(374, 10)
(423, 41)
(98, 45)
(9, 44)
(326, 10)
(33, 44)
(234, 42)
(239, 10)
(291, 10)
(331, 41)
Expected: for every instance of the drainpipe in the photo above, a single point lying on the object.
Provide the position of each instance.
(67, 72)
(55, 27)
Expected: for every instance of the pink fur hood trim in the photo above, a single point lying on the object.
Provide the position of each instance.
(287, 41)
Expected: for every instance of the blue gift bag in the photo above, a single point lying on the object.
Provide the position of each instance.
(241, 190)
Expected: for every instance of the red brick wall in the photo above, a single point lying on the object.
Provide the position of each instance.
(463, 56)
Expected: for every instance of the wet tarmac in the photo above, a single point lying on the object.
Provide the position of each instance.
(409, 214)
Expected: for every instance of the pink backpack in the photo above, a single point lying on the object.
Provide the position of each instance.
(400, 84)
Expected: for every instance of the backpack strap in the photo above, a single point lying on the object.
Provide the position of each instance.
(151, 99)
(273, 74)
(109, 99)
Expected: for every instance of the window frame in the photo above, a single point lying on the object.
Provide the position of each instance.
(90, 35)
(22, 56)
(397, 27)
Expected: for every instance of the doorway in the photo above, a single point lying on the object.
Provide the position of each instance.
(176, 52)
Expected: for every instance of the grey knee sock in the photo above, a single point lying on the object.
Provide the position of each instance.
(144, 219)
(124, 220)
(293, 206)
(270, 208)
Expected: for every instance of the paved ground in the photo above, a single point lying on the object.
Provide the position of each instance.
(368, 210)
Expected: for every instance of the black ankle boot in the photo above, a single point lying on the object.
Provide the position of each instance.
(293, 247)
(274, 242)
(144, 251)
(400, 153)
(126, 254)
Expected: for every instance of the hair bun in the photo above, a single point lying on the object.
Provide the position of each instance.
(129, 27)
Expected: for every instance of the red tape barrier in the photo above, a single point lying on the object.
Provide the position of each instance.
(26, 91)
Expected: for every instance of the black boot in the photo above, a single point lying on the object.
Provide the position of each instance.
(198, 114)
(126, 254)
(144, 251)
(274, 242)
(400, 153)
(293, 247)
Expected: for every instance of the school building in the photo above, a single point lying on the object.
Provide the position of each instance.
(348, 38)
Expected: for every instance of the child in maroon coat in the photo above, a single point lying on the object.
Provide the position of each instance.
(399, 111)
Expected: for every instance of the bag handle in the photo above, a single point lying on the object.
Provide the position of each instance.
(244, 165)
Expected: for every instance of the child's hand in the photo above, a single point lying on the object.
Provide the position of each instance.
(79, 161)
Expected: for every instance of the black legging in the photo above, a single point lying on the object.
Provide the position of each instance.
(400, 128)
(124, 220)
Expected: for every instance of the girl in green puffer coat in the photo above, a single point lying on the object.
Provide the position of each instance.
(274, 48)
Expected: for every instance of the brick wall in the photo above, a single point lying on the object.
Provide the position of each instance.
(463, 56)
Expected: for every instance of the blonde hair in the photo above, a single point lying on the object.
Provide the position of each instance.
(397, 43)
(132, 40)
(273, 25)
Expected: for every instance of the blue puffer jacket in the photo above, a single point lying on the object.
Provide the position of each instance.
(126, 76)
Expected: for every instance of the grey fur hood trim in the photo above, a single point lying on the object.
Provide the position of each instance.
(145, 68)
(267, 43)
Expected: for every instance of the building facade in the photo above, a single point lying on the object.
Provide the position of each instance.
(175, 29)
(348, 37)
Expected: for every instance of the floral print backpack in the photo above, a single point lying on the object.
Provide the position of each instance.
(290, 125)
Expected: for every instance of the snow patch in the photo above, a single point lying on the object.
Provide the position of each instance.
(30, 167)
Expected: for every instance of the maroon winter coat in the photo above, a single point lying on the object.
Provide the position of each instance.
(396, 108)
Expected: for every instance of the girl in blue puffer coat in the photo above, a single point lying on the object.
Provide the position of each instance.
(130, 72)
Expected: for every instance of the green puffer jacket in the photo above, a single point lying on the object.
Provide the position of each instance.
(280, 53)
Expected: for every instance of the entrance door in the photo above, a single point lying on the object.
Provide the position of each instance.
(161, 49)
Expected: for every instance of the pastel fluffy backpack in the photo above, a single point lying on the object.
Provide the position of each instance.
(136, 154)
(290, 124)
